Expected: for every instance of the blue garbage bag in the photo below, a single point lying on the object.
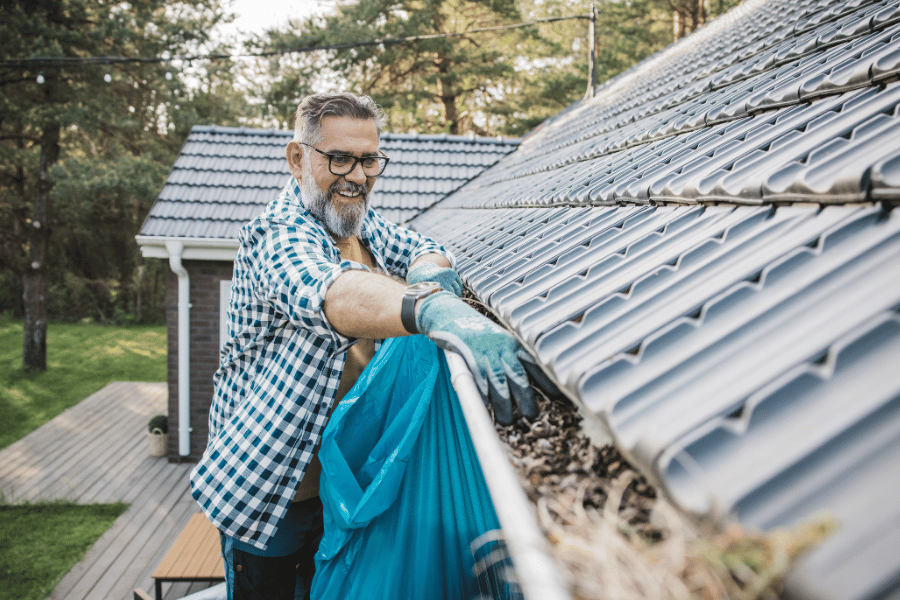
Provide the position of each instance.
(403, 494)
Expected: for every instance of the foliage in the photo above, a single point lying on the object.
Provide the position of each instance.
(160, 422)
(432, 85)
(82, 358)
(105, 273)
(597, 550)
(94, 119)
(40, 543)
(85, 148)
(504, 81)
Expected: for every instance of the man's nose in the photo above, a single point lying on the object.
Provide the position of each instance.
(356, 174)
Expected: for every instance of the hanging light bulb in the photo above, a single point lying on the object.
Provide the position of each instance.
(40, 78)
(169, 75)
(107, 78)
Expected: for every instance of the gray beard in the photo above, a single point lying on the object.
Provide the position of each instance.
(341, 222)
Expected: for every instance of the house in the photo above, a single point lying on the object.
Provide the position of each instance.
(705, 256)
(222, 179)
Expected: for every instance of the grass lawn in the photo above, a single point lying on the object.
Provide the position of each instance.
(39, 543)
(81, 359)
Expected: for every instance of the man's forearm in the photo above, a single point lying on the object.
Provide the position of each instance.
(362, 304)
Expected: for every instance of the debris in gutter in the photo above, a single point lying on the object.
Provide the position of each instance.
(613, 537)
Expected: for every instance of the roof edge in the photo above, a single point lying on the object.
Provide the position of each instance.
(481, 139)
(154, 246)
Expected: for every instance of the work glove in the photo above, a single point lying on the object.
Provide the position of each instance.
(447, 278)
(493, 356)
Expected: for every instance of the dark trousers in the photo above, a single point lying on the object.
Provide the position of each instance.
(285, 569)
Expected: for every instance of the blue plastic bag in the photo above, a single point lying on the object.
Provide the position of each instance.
(404, 496)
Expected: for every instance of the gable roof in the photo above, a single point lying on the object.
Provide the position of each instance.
(705, 257)
(224, 177)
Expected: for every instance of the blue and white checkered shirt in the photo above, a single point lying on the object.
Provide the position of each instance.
(281, 368)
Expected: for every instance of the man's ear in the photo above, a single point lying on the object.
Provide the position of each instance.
(294, 155)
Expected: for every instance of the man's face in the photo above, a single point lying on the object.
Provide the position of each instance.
(340, 202)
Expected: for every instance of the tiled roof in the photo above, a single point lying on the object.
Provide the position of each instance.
(224, 176)
(705, 258)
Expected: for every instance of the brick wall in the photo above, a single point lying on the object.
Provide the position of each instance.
(204, 277)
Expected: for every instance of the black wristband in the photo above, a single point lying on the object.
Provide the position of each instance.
(408, 313)
(410, 296)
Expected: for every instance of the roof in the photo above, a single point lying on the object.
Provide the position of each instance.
(706, 258)
(224, 177)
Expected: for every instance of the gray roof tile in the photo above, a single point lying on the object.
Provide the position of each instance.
(697, 256)
(223, 177)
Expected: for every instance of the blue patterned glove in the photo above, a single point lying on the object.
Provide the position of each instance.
(447, 278)
(493, 356)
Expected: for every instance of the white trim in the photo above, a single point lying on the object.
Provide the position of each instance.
(536, 571)
(153, 246)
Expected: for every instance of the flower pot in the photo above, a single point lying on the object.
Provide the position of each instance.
(158, 442)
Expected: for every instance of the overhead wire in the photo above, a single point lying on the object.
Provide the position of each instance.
(47, 62)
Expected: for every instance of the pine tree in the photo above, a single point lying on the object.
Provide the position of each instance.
(431, 84)
(61, 108)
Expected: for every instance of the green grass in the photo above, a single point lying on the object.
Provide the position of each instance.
(81, 359)
(40, 543)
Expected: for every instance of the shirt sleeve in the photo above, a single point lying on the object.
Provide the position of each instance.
(293, 270)
(401, 246)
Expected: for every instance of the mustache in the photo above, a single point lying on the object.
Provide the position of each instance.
(348, 187)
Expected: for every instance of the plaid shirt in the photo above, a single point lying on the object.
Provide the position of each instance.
(280, 370)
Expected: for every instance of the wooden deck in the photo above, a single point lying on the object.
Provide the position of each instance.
(97, 452)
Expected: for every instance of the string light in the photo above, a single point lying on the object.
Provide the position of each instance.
(107, 78)
(62, 61)
(40, 78)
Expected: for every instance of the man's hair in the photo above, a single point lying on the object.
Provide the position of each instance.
(314, 108)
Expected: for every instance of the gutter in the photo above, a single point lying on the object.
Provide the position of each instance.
(536, 572)
(175, 250)
(156, 246)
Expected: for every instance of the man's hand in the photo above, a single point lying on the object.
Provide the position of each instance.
(491, 353)
(446, 277)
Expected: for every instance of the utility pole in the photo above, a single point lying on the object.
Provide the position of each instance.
(592, 53)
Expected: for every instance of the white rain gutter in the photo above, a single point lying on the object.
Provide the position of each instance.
(175, 250)
(535, 570)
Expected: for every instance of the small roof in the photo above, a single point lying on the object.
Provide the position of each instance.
(705, 255)
(224, 176)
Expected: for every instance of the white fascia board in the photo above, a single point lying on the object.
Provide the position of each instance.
(153, 246)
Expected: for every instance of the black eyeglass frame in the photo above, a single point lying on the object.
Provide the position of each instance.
(383, 160)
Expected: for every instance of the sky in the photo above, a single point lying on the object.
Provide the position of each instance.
(254, 16)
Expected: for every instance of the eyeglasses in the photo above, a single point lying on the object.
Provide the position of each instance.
(343, 164)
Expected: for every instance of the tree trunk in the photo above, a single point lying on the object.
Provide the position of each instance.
(448, 98)
(677, 26)
(34, 351)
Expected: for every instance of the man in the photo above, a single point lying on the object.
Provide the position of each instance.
(315, 288)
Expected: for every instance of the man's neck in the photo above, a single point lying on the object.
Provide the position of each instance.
(341, 241)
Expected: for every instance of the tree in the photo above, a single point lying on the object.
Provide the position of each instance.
(434, 84)
(63, 108)
(505, 82)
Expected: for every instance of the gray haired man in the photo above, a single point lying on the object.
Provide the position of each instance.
(315, 289)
